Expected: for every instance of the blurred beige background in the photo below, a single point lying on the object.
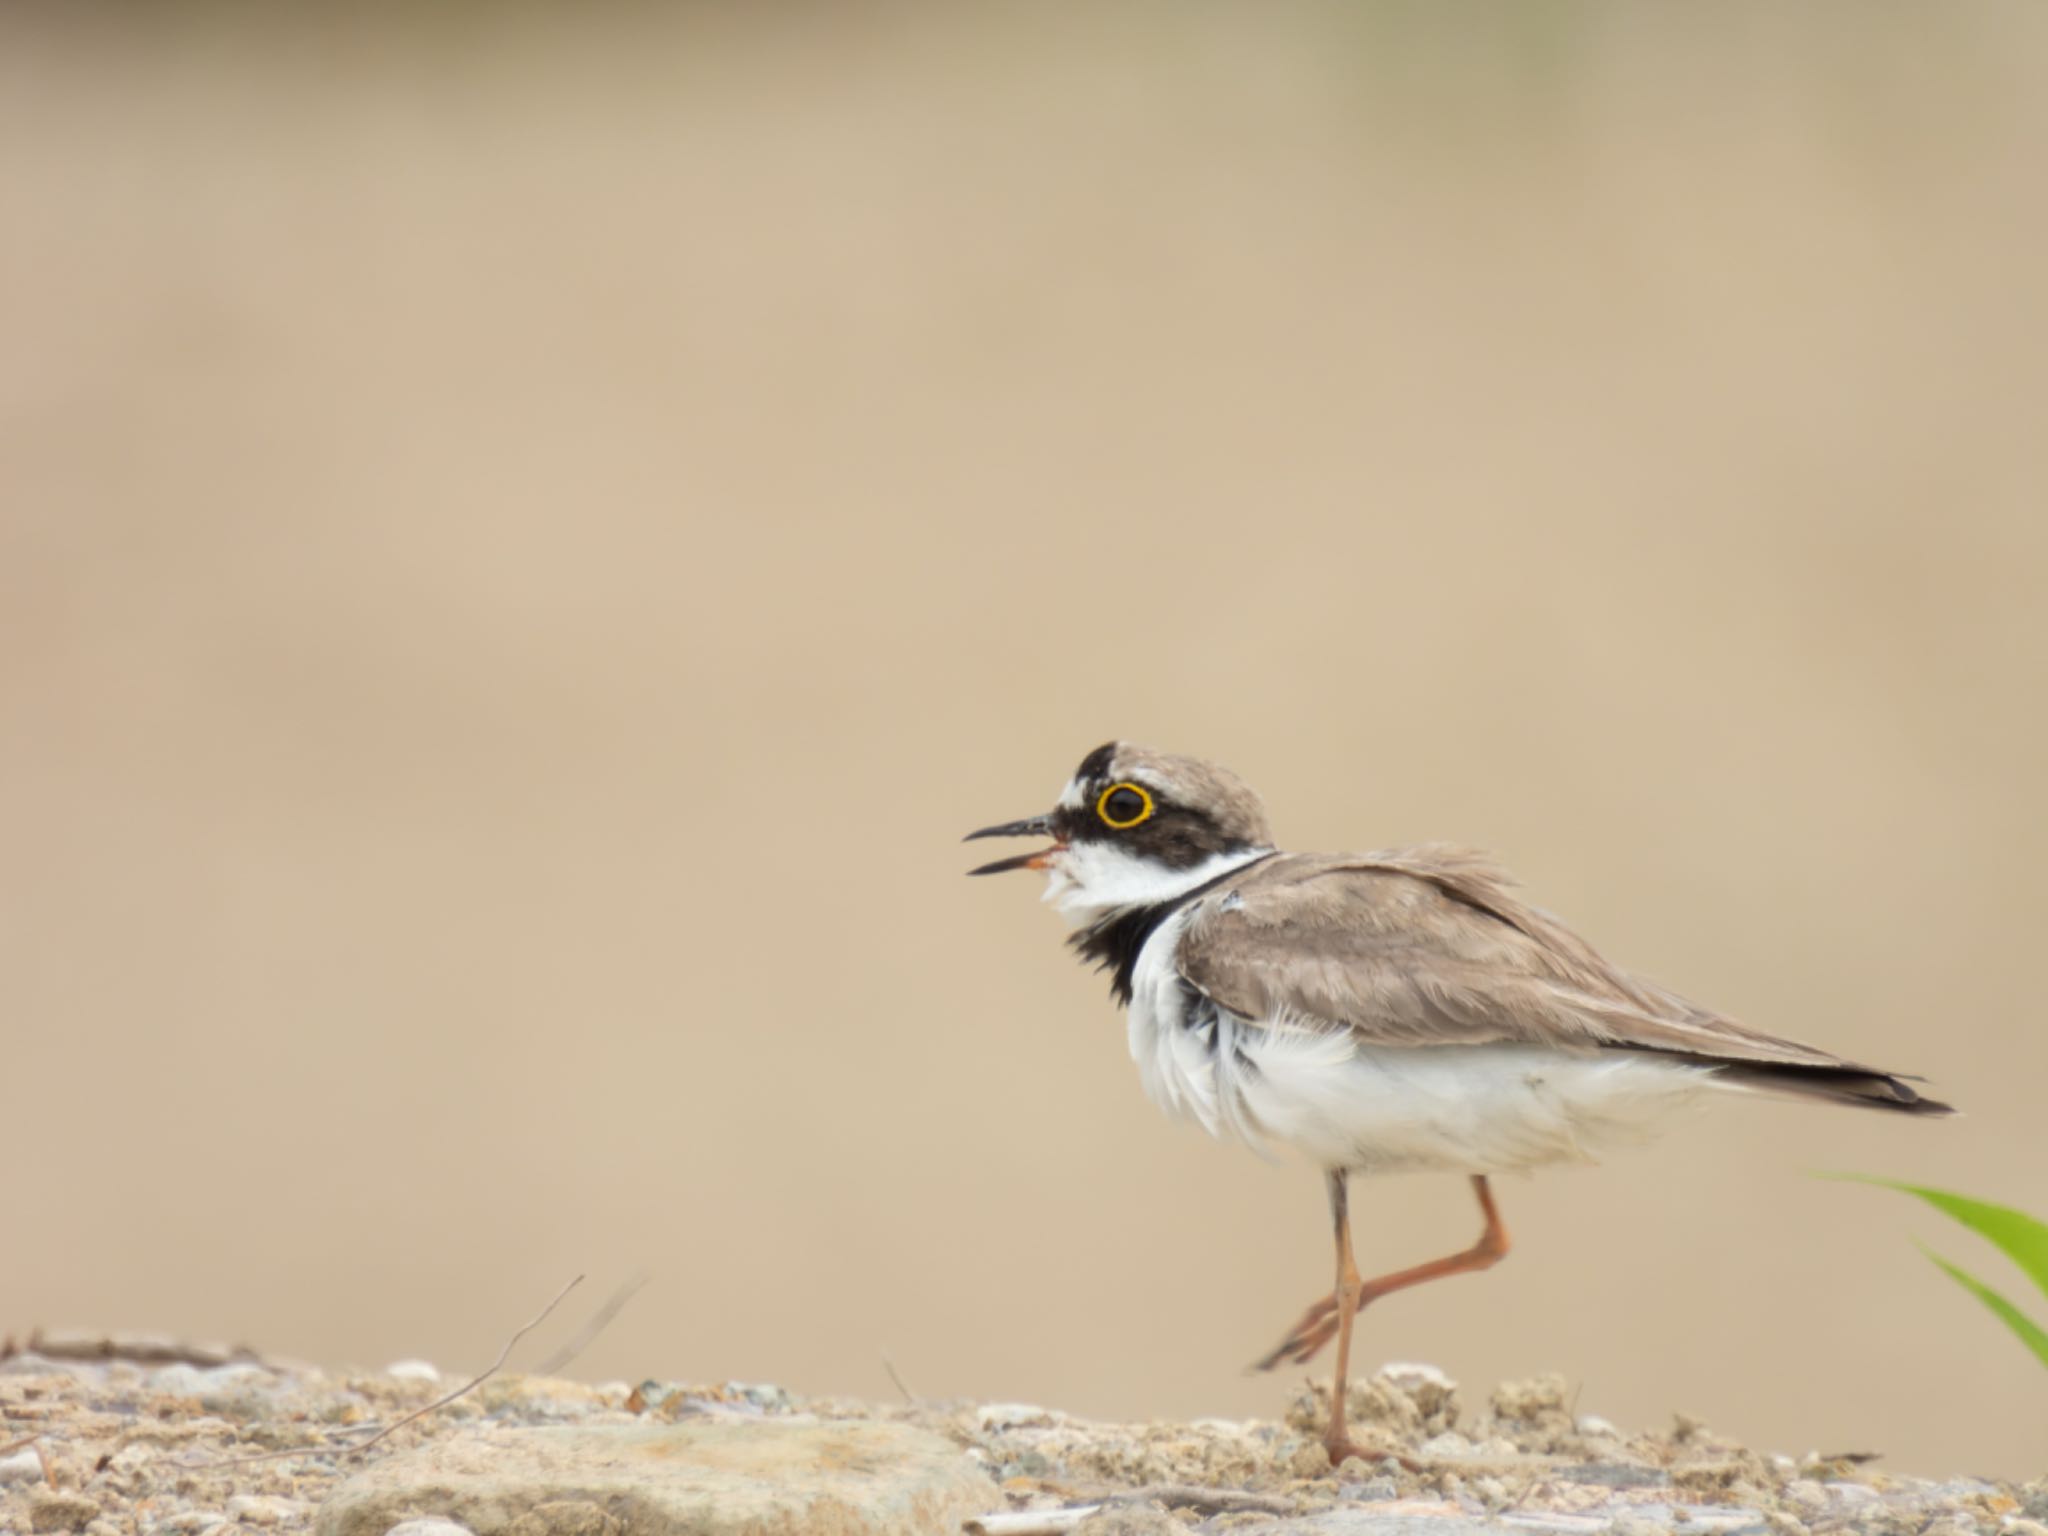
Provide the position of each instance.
(526, 538)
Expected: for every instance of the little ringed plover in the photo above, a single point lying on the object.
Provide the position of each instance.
(1376, 1012)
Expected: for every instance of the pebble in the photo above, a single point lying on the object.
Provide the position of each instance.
(61, 1511)
(412, 1370)
(994, 1416)
(1808, 1495)
(267, 1509)
(431, 1525)
(764, 1395)
(22, 1467)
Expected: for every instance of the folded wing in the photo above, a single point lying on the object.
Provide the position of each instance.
(1431, 946)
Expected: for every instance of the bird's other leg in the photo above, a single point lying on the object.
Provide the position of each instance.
(1320, 1322)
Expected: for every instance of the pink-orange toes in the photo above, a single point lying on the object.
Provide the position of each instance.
(1315, 1321)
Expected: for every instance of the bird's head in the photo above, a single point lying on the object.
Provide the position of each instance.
(1135, 827)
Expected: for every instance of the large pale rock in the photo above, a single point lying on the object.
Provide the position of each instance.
(717, 1477)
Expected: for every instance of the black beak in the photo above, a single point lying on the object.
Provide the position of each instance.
(1031, 826)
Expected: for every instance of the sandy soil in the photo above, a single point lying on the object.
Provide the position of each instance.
(209, 1444)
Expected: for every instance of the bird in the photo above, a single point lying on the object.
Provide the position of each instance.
(1393, 1011)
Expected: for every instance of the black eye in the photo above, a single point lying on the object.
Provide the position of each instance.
(1124, 805)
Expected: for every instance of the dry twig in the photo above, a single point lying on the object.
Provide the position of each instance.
(475, 1381)
(599, 1321)
(909, 1396)
(395, 1425)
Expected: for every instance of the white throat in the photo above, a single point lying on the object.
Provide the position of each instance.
(1089, 881)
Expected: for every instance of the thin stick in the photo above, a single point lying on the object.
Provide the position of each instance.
(25, 1440)
(395, 1425)
(475, 1381)
(599, 1321)
(909, 1396)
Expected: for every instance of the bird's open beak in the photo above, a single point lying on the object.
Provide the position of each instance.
(1031, 826)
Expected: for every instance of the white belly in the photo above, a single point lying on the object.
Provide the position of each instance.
(1282, 1086)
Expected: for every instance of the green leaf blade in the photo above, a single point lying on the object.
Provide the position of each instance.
(2030, 1333)
(2019, 1236)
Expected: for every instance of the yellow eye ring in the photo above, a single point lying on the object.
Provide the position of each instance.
(1144, 808)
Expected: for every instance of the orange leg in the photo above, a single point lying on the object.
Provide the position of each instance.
(1337, 1439)
(1330, 1317)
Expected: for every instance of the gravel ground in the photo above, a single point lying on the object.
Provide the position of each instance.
(151, 1438)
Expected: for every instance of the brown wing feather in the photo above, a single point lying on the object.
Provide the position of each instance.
(1430, 945)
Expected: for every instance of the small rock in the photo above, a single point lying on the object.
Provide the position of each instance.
(1593, 1427)
(21, 1467)
(266, 1509)
(650, 1395)
(61, 1512)
(412, 1370)
(1429, 1389)
(994, 1416)
(1530, 1402)
(1492, 1494)
(765, 1396)
(1806, 1495)
(1449, 1443)
(432, 1525)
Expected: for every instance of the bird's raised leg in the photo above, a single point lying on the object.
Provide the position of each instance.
(1321, 1321)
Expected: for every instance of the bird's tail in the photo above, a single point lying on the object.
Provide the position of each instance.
(1842, 1083)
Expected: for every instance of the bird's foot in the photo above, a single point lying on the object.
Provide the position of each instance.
(1342, 1448)
(1317, 1327)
